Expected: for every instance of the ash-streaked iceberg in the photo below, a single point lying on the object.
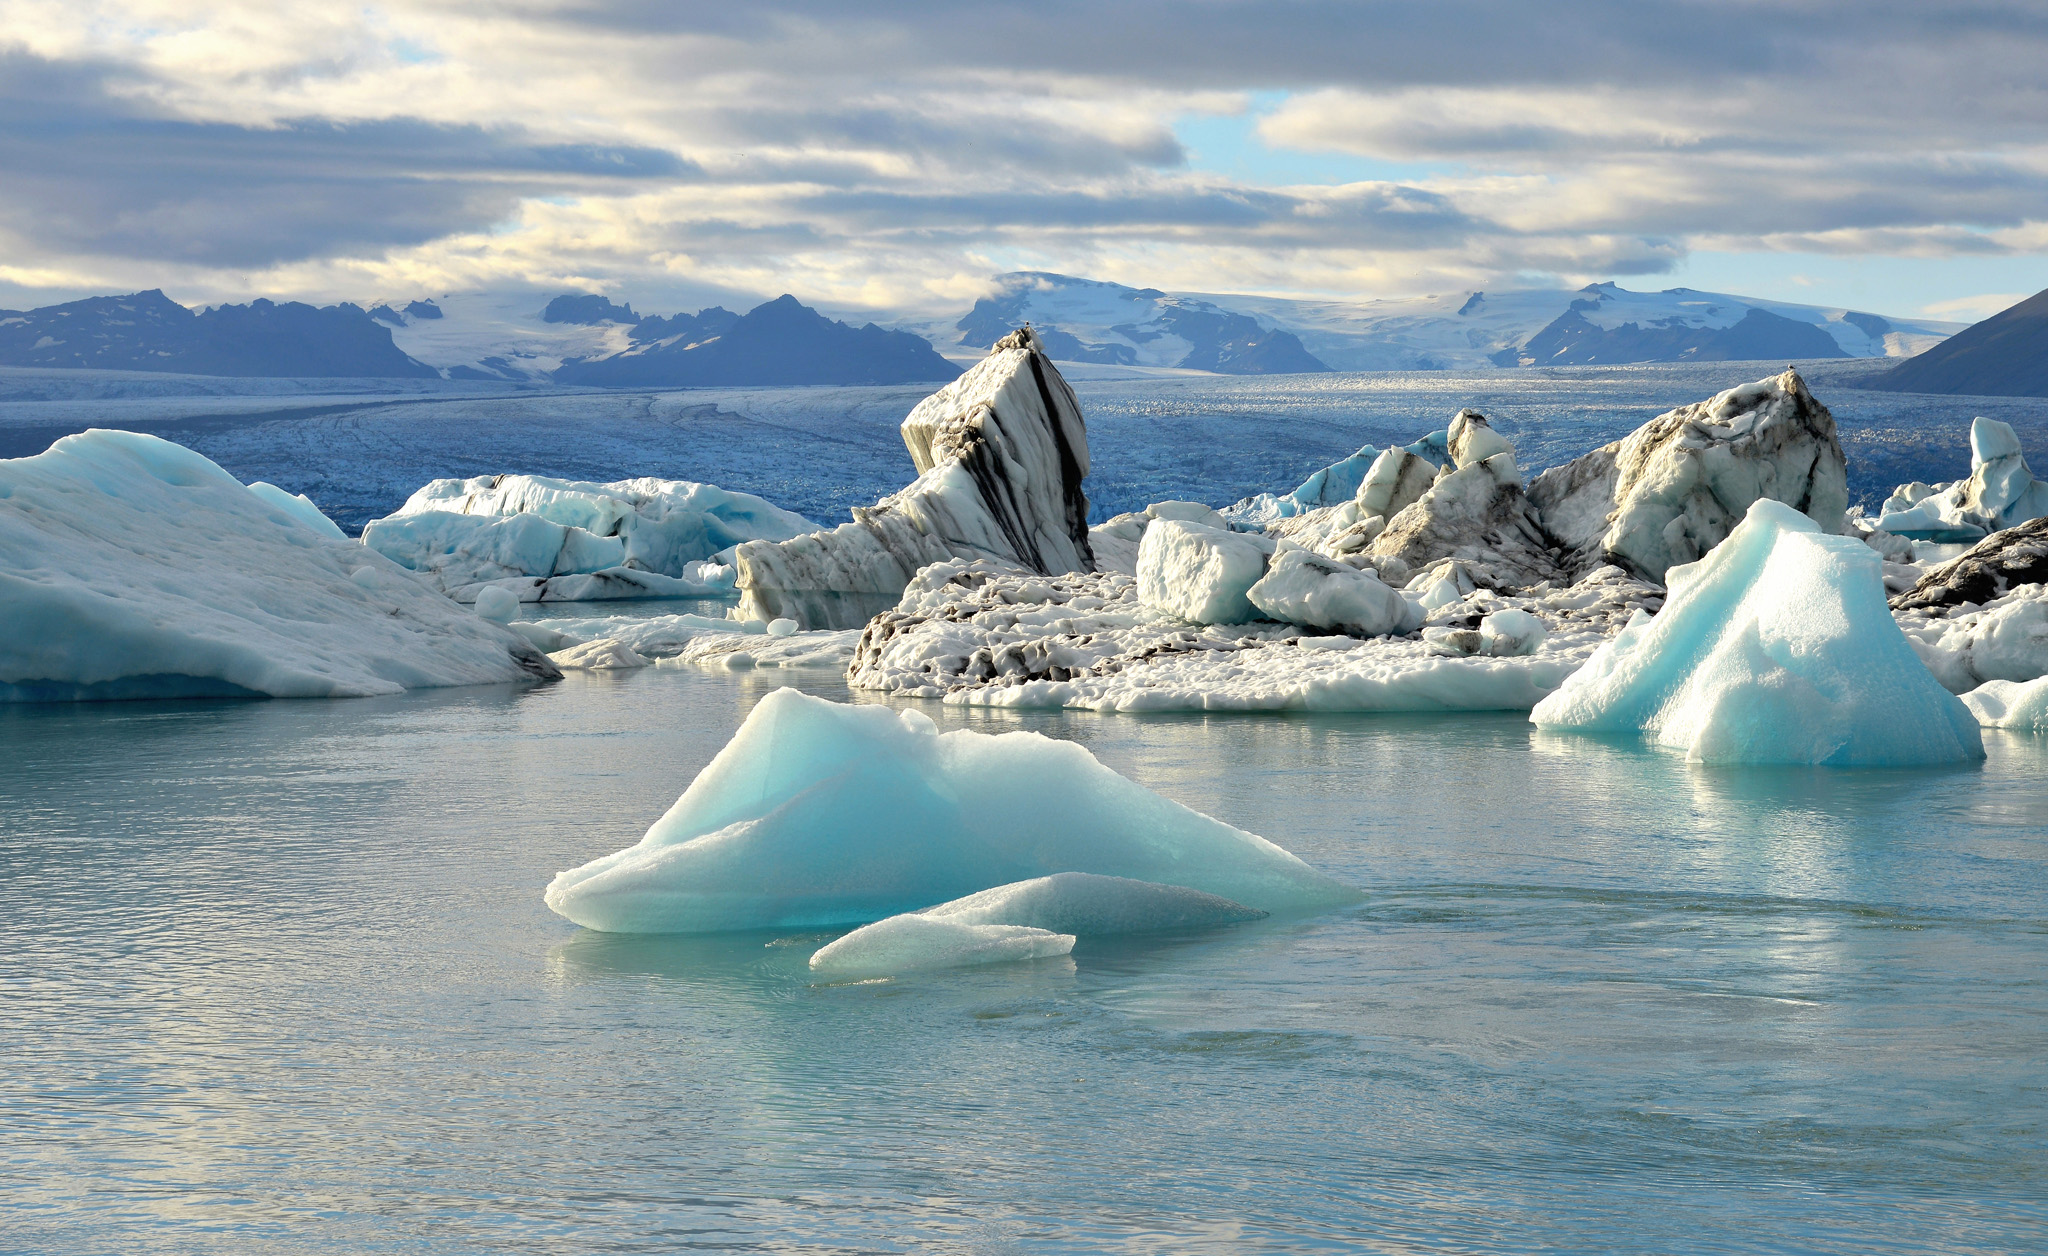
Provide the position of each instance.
(1777, 647)
(1672, 489)
(568, 540)
(1000, 454)
(1025, 920)
(819, 814)
(131, 567)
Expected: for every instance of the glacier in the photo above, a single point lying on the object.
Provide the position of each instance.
(1000, 454)
(1024, 920)
(131, 567)
(1777, 647)
(819, 814)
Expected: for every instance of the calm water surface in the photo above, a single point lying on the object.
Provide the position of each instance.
(277, 978)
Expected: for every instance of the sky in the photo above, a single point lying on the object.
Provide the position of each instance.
(890, 158)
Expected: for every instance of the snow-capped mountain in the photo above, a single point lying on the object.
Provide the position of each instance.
(1092, 321)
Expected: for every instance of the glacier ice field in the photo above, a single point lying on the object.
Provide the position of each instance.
(280, 976)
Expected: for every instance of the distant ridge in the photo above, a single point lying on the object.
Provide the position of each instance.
(780, 342)
(2006, 355)
(147, 331)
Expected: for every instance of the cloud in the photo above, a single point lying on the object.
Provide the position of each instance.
(889, 155)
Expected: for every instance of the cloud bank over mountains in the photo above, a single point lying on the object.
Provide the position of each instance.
(895, 157)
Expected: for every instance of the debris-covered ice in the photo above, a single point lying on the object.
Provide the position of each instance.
(131, 567)
(1777, 647)
(822, 814)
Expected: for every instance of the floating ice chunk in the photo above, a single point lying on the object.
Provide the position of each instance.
(301, 508)
(1000, 453)
(2005, 639)
(500, 606)
(820, 814)
(1777, 647)
(2018, 705)
(782, 627)
(1511, 633)
(1317, 592)
(601, 655)
(1200, 574)
(1672, 489)
(1024, 920)
(1472, 439)
(133, 568)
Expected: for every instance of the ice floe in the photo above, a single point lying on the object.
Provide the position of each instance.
(1966, 645)
(131, 567)
(821, 814)
(982, 634)
(1000, 454)
(1777, 647)
(1025, 920)
(567, 540)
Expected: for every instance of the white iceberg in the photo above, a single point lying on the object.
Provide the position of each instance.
(1777, 647)
(1000, 454)
(131, 567)
(569, 540)
(820, 814)
(2018, 705)
(1024, 920)
(1965, 646)
(1316, 592)
(1199, 573)
(2001, 492)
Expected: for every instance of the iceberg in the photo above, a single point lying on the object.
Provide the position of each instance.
(1199, 573)
(2001, 492)
(300, 508)
(1994, 567)
(569, 540)
(1317, 592)
(1965, 646)
(1025, 920)
(1000, 455)
(2018, 705)
(819, 814)
(1674, 488)
(131, 567)
(1777, 647)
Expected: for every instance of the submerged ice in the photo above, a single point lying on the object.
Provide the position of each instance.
(1025, 920)
(820, 814)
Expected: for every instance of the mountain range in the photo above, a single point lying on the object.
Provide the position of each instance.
(1088, 320)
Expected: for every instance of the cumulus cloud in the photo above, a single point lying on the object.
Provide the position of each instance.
(892, 156)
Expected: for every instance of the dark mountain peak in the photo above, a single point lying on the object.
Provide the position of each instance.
(423, 309)
(782, 341)
(1472, 303)
(2006, 355)
(385, 314)
(587, 309)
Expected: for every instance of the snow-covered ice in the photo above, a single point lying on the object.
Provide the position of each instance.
(132, 567)
(1025, 920)
(1777, 647)
(1000, 454)
(1964, 646)
(821, 814)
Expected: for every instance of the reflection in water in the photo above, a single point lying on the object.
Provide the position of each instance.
(279, 978)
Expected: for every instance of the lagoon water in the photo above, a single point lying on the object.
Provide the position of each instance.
(277, 978)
